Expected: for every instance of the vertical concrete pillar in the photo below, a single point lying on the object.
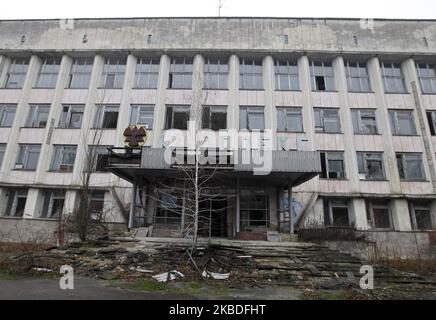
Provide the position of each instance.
(70, 202)
(358, 214)
(5, 63)
(159, 109)
(197, 86)
(269, 85)
(233, 108)
(400, 215)
(433, 214)
(32, 208)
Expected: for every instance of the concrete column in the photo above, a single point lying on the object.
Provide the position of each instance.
(390, 159)
(358, 213)
(70, 202)
(433, 214)
(53, 117)
(159, 108)
(5, 63)
(197, 86)
(88, 117)
(20, 117)
(33, 204)
(400, 215)
(233, 108)
(125, 110)
(269, 85)
(422, 125)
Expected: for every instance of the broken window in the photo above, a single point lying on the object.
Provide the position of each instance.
(357, 77)
(322, 76)
(253, 209)
(96, 203)
(402, 122)
(214, 117)
(147, 73)
(28, 156)
(71, 116)
(332, 165)
(410, 166)
(80, 74)
(370, 165)
(420, 214)
(327, 120)
(113, 73)
(289, 119)
(286, 75)
(431, 117)
(2, 152)
(250, 74)
(106, 117)
(142, 115)
(177, 117)
(17, 73)
(364, 121)
(7, 114)
(63, 158)
(38, 116)
(180, 76)
(169, 209)
(251, 118)
(336, 213)
(53, 204)
(378, 214)
(216, 74)
(96, 158)
(48, 74)
(427, 77)
(393, 78)
(16, 202)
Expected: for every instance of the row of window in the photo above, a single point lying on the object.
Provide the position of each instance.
(336, 213)
(216, 74)
(52, 203)
(289, 119)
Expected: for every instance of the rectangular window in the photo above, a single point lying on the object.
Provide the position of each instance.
(38, 116)
(420, 215)
(332, 165)
(214, 117)
(327, 120)
(7, 114)
(427, 77)
(17, 73)
(142, 115)
(364, 121)
(2, 152)
(254, 209)
(378, 214)
(357, 77)
(80, 74)
(106, 117)
(169, 209)
(177, 117)
(431, 117)
(147, 73)
(63, 158)
(289, 119)
(286, 75)
(28, 156)
(52, 204)
(402, 122)
(71, 116)
(322, 76)
(250, 74)
(336, 213)
(251, 118)
(216, 74)
(96, 204)
(48, 74)
(16, 202)
(370, 165)
(113, 73)
(96, 158)
(410, 166)
(393, 78)
(181, 73)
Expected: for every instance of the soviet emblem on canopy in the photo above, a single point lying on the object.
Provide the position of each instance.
(135, 136)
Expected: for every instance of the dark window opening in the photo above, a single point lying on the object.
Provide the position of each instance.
(320, 83)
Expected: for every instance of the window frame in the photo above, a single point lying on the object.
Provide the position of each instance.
(336, 203)
(88, 63)
(207, 115)
(135, 113)
(282, 116)
(222, 72)
(95, 151)
(250, 111)
(398, 79)
(119, 65)
(63, 151)
(2, 152)
(52, 75)
(373, 204)
(420, 205)
(362, 76)
(21, 74)
(394, 122)
(101, 111)
(169, 117)
(72, 110)
(5, 110)
(12, 204)
(186, 64)
(322, 119)
(325, 66)
(150, 65)
(48, 206)
(365, 158)
(404, 165)
(357, 119)
(334, 156)
(254, 73)
(279, 72)
(26, 155)
(431, 79)
(34, 119)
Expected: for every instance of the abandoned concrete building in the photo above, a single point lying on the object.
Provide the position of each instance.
(351, 105)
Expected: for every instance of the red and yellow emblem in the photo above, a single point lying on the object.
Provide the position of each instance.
(135, 136)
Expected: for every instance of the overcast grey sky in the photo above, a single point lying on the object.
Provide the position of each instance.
(28, 9)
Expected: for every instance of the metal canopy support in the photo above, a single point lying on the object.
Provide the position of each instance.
(133, 205)
(291, 219)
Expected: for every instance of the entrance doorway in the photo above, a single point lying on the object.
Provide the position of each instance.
(212, 218)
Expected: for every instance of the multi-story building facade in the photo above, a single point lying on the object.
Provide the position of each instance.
(361, 93)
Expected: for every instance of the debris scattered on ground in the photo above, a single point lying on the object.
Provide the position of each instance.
(216, 276)
(43, 270)
(164, 277)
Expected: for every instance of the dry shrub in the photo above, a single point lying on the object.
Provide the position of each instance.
(419, 266)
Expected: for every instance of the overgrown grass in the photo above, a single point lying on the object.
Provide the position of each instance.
(419, 266)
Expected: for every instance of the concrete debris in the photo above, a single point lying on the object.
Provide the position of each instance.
(164, 277)
(144, 270)
(43, 269)
(216, 276)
